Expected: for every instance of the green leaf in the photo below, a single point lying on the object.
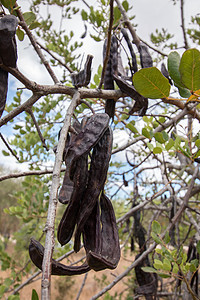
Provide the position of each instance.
(164, 275)
(198, 247)
(8, 4)
(150, 83)
(149, 270)
(117, 14)
(20, 34)
(84, 15)
(197, 143)
(173, 69)
(166, 265)
(150, 146)
(157, 150)
(29, 17)
(190, 69)
(170, 144)
(167, 238)
(34, 25)
(156, 238)
(131, 126)
(5, 153)
(159, 137)
(125, 5)
(156, 227)
(34, 295)
(96, 38)
(175, 269)
(158, 264)
(96, 79)
(146, 133)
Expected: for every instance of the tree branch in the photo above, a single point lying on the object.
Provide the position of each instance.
(56, 58)
(29, 110)
(183, 25)
(10, 149)
(35, 46)
(28, 173)
(127, 22)
(49, 243)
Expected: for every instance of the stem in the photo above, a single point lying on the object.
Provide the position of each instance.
(49, 243)
(35, 46)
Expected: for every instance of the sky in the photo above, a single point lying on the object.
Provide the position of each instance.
(149, 15)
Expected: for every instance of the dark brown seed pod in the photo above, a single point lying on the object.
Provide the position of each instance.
(107, 253)
(8, 53)
(133, 67)
(141, 103)
(68, 221)
(96, 180)
(165, 73)
(92, 231)
(111, 68)
(145, 57)
(88, 137)
(68, 185)
(83, 77)
(36, 252)
(3, 89)
(8, 49)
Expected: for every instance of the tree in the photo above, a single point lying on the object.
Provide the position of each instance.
(161, 147)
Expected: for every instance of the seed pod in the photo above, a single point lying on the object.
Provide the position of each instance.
(92, 231)
(147, 281)
(111, 68)
(165, 73)
(68, 185)
(68, 221)
(97, 177)
(8, 53)
(107, 254)
(8, 49)
(141, 103)
(3, 89)
(145, 57)
(86, 139)
(83, 77)
(134, 67)
(36, 252)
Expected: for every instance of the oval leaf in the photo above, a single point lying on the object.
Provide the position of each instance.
(34, 295)
(190, 69)
(150, 83)
(173, 69)
(156, 227)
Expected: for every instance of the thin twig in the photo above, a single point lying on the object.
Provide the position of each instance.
(108, 45)
(35, 45)
(56, 58)
(15, 112)
(43, 90)
(82, 286)
(160, 128)
(127, 22)
(8, 147)
(183, 25)
(49, 228)
(29, 110)
(28, 173)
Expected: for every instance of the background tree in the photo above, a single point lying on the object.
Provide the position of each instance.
(157, 177)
